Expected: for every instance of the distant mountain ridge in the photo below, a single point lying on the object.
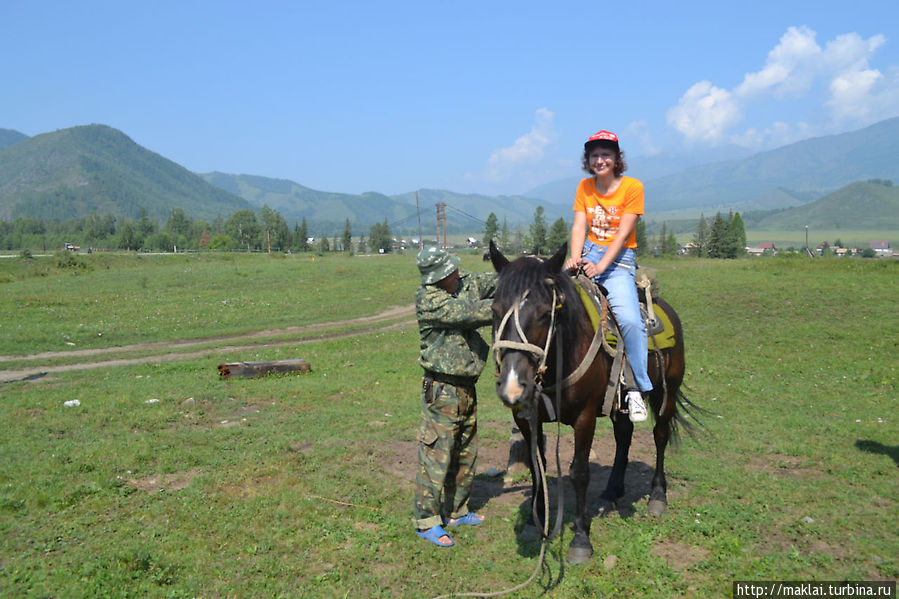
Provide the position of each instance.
(328, 211)
(69, 173)
(9, 137)
(795, 173)
(324, 211)
(861, 205)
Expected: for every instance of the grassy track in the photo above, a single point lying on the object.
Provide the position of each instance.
(300, 486)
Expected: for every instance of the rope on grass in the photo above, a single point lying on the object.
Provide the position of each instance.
(366, 507)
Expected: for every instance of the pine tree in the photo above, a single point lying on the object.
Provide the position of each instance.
(642, 241)
(718, 237)
(669, 243)
(736, 236)
(302, 240)
(558, 235)
(490, 228)
(503, 242)
(347, 237)
(701, 239)
(537, 238)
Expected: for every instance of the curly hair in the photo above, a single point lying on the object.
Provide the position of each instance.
(620, 164)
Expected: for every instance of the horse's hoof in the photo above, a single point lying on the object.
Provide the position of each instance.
(579, 555)
(606, 507)
(530, 533)
(657, 507)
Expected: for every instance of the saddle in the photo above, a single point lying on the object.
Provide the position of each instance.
(659, 330)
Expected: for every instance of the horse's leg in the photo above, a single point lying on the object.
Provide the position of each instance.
(624, 432)
(665, 406)
(658, 495)
(668, 366)
(533, 526)
(581, 550)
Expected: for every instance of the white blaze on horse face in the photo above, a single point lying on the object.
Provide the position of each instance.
(511, 389)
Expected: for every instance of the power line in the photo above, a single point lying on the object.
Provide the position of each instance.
(474, 218)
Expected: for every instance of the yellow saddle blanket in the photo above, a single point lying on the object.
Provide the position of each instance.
(661, 340)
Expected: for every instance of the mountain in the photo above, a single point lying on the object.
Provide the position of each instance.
(9, 137)
(475, 208)
(860, 205)
(645, 168)
(788, 176)
(325, 212)
(71, 172)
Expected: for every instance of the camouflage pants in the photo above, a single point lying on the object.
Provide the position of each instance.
(447, 452)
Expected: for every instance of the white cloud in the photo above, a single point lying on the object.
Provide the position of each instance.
(790, 67)
(704, 113)
(850, 93)
(797, 69)
(527, 149)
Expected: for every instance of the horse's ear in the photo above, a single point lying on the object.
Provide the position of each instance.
(555, 263)
(499, 261)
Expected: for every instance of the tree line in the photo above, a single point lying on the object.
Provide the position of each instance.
(243, 230)
(723, 237)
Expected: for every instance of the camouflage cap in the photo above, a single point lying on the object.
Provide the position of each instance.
(435, 264)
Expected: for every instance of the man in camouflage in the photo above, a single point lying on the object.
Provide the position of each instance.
(451, 306)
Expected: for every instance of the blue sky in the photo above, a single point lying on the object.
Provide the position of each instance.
(486, 96)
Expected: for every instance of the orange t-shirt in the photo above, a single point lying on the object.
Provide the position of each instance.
(604, 211)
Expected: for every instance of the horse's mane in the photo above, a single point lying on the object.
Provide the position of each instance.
(534, 274)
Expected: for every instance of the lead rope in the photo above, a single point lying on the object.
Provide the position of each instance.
(534, 422)
(539, 468)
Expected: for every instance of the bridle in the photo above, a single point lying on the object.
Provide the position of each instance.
(539, 354)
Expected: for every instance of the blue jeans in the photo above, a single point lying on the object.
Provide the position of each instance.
(620, 281)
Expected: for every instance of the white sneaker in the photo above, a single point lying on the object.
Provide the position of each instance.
(636, 407)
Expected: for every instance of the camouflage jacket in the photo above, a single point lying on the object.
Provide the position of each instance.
(448, 325)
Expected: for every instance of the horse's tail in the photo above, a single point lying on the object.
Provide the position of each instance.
(687, 416)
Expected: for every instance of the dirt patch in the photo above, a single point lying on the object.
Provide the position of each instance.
(155, 483)
(679, 556)
(781, 465)
(496, 494)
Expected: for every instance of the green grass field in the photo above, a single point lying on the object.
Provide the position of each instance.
(167, 481)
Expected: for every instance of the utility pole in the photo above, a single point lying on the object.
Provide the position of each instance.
(441, 221)
(421, 242)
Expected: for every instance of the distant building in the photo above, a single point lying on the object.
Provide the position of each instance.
(882, 248)
(762, 249)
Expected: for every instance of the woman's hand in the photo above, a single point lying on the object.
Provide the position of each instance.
(591, 270)
(573, 263)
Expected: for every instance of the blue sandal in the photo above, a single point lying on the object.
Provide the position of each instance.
(469, 519)
(433, 535)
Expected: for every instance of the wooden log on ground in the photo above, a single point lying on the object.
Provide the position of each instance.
(251, 370)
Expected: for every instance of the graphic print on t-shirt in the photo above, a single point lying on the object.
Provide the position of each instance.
(603, 223)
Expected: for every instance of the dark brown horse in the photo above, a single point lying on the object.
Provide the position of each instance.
(541, 326)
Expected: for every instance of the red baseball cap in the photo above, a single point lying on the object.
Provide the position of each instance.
(603, 135)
